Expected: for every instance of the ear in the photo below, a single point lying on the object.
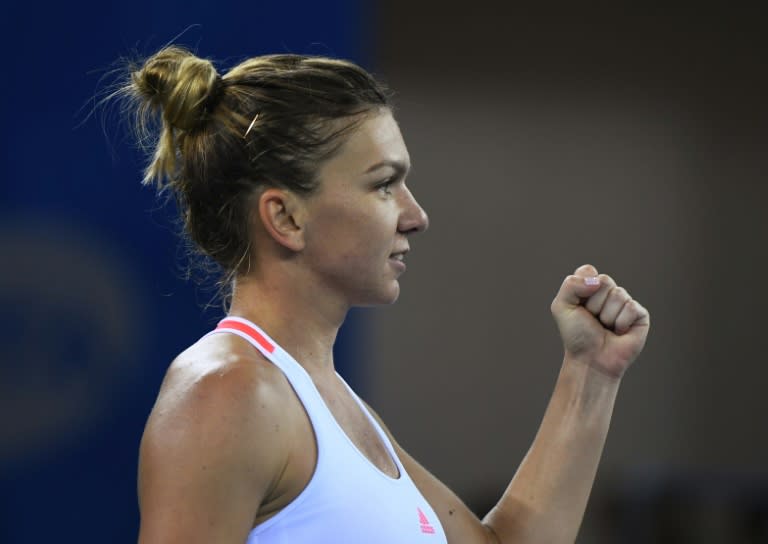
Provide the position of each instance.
(282, 213)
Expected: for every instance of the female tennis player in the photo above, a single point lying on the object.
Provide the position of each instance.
(290, 172)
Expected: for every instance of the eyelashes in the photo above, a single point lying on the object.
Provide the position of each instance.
(386, 186)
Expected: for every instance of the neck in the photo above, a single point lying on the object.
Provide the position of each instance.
(294, 316)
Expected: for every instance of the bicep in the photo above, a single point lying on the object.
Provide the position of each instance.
(195, 497)
(206, 464)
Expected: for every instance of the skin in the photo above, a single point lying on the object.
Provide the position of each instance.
(228, 444)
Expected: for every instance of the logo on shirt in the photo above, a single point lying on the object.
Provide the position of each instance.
(424, 523)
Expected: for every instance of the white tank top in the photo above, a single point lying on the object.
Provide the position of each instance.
(348, 500)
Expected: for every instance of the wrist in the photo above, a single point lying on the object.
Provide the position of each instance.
(592, 368)
(584, 371)
(586, 394)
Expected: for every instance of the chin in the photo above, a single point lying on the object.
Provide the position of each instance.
(381, 297)
(393, 294)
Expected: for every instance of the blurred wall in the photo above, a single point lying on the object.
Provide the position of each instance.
(542, 140)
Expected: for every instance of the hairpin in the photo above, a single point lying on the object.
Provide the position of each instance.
(251, 125)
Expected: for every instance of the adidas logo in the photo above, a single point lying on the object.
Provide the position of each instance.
(424, 523)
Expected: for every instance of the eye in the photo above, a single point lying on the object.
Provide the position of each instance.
(386, 186)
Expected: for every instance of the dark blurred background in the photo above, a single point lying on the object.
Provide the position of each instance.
(92, 273)
(541, 139)
(630, 138)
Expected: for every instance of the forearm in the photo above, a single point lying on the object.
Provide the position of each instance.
(546, 499)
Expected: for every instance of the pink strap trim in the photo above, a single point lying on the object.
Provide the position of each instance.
(246, 329)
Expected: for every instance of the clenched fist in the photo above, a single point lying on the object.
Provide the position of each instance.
(600, 324)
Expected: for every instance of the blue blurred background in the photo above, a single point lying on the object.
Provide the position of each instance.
(92, 276)
(541, 139)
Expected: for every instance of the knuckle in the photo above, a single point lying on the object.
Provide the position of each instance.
(607, 280)
(634, 310)
(618, 294)
(586, 269)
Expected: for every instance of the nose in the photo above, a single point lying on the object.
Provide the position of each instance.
(413, 218)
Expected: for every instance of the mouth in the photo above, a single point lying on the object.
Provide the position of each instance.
(399, 255)
(398, 259)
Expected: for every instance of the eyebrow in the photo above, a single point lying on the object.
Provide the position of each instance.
(399, 166)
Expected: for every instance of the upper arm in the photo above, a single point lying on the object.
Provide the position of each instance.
(460, 524)
(209, 455)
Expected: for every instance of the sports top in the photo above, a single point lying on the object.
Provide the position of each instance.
(347, 500)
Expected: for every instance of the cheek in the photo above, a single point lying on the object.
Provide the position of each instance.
(361, 240)
(349, 231)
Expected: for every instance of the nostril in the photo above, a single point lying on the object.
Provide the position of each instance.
(414, 226)
(424, 220)
(413, 218)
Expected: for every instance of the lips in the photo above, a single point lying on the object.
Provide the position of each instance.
(397, 259)
(399, 255)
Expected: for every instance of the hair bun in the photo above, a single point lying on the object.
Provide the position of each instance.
(183, 85)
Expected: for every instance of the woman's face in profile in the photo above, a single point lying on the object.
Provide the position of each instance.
(361, 215)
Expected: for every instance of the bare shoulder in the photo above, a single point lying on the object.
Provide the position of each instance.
(220, 371)
(214, 444)
(220, 383)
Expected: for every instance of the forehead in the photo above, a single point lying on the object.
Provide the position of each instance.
(375, 140)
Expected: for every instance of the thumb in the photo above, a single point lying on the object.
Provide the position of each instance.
(574, 290)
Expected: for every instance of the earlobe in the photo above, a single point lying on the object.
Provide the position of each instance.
(281, 212)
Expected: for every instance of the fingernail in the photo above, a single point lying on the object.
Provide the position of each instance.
(592, 280)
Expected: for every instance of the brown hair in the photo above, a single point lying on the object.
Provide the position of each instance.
(269, 121)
